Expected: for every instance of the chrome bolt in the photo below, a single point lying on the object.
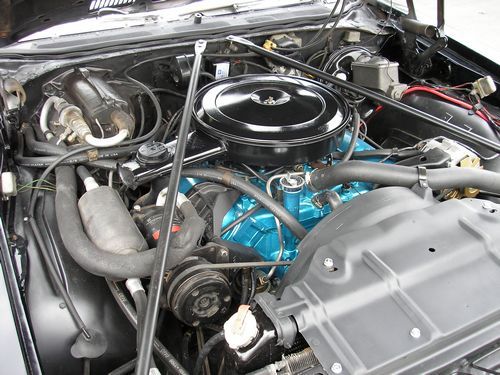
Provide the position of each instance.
(336, 368)
(415, 333)
(328, 263)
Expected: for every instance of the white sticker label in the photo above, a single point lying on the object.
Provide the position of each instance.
(222, 70)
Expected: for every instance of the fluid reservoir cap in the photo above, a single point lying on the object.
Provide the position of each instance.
(153, 153)
(241, 328)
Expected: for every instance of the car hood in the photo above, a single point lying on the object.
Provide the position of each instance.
(21, 18)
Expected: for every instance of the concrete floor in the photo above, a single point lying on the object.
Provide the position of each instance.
(474, 23)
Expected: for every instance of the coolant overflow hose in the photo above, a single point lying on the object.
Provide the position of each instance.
(398, 175)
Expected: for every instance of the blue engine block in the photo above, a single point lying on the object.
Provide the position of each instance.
(259, 230)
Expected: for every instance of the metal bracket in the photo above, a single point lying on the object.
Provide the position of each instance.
(440, 16)
(286, 329)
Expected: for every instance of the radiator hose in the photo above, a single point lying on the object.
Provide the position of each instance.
(398, 175)
(108, 264)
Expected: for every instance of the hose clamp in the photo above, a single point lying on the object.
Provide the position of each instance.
(93, 154)
(422, 177)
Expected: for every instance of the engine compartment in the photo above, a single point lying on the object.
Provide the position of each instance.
(315, 229)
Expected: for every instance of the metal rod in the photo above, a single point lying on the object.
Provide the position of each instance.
(242, 218)
(404, 108)
(226, 266)
(145, 348)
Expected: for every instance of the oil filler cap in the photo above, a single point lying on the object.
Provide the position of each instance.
(153, 153)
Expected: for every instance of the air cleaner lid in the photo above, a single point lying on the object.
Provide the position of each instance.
(270, 110)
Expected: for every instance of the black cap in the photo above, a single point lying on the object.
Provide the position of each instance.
(153, 153)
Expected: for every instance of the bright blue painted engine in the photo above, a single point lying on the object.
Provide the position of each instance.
(259, 230)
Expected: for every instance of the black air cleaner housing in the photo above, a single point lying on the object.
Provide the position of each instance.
(272, 120)
(263, 120)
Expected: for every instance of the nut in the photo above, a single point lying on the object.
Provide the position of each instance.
(336, 368)
(328, 263)
(415, 333)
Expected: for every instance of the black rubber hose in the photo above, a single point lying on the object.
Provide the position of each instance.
(157, 185)
(354, 136)
(205, 351)
(142, 124)
(83, 173)
(166, 357)
(253, 285)
(141, 302)
(230, 180)
(398, 175)
(43, 247)
(156, 104)
(245, 285)
(51, 151)
(169, 92)
(40, 148)
(40, 136)
(46, 161)
(186, 240)
(333, 199)
(75, 157)
(186, 339)
(53, 272)
(383, 153)
(103, 153)
(106, 264)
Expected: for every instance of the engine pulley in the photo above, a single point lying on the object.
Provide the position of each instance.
(197, 296)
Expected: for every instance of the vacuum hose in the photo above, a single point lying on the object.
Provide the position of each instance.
(44, 116)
